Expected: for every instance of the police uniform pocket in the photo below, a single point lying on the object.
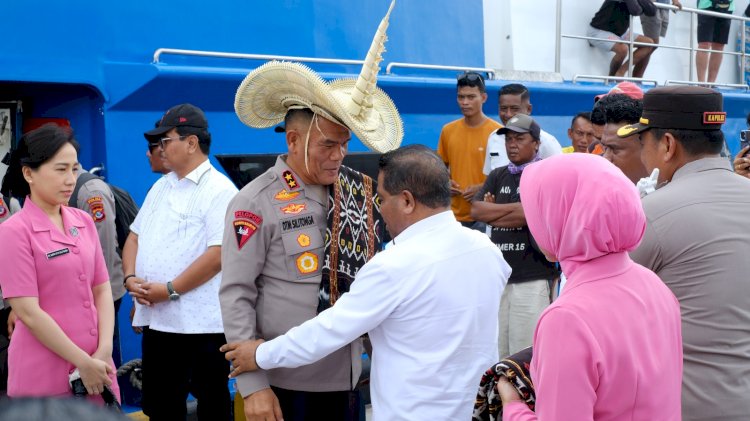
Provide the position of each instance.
(304, 250)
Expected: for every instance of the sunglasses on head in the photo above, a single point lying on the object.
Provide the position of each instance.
(471, 78)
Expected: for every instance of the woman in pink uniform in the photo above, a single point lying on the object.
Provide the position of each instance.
(610, 347)
(54, 275)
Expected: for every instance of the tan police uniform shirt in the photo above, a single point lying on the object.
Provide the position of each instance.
(96, 198)
(272, 256)
(698, 241)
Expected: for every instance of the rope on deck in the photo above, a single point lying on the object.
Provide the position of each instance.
(136, 375)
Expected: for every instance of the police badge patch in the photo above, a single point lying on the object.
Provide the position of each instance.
(245, 226)
(96, 207)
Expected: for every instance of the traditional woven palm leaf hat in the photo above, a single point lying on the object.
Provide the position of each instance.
(268, 92)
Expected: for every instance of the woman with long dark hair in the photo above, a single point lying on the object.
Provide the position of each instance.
(54, 274)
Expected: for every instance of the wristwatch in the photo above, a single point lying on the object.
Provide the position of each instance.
(173, 295)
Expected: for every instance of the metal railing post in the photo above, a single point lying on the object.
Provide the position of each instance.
(743, 50)
(558, 35)
(691, 74)
(630, 48)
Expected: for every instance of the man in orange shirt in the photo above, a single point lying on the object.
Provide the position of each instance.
(463, 143)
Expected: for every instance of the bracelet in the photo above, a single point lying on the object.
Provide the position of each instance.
(125, 280)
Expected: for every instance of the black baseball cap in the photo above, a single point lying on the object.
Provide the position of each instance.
(679, 107)
(183, 115)
(521, 123)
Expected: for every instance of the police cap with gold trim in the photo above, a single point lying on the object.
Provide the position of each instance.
(680, 108)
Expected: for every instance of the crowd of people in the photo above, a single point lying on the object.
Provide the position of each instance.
(621, 260)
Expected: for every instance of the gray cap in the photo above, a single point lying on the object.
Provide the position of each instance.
(521, 123)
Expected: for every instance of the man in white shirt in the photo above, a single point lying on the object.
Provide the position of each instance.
(428, 302)
(514, 99)
(172, 262)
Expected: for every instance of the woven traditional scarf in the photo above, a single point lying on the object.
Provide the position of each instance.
(518, 169)
(355, 231)
(487, 406)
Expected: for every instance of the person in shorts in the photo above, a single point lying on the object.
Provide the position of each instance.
(713, 34)
(611, 23)
(655, 27)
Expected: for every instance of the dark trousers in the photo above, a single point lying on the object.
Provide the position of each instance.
(316, 406)
(116, 355)
(177, 364)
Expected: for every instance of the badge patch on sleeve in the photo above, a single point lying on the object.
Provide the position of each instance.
(307, 262)
(289, 179)
(245, 225)
(96, 207)
(243, 230)
(294, 208)
(286, 196)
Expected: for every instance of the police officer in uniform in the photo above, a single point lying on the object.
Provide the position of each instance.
(95, 198)
(697, 241)
(279, 236)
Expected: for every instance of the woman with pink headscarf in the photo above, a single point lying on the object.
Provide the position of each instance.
(610, 347)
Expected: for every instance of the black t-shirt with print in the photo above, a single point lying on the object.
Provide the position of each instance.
(517, 245)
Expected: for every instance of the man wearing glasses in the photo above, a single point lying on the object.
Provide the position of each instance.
(172, 266)
(154, 155)
(463, 143)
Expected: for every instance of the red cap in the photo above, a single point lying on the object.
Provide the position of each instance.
(626, 88)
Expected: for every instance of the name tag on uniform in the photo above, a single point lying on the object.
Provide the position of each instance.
(53, 254)
(494, 153)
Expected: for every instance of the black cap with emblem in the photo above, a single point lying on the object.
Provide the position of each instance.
(680, 108)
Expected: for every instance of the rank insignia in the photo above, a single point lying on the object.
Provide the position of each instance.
(96, 206)
(294, 208)
(289, 179)
(303, 240)
(307, 262)
(285, 196)
(243, 230)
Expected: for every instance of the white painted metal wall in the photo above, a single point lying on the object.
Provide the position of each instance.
(520, 35)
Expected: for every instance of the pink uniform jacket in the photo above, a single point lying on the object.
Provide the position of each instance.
(39, 260)
(610, 347)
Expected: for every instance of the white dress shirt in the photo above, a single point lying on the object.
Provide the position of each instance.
(179, 221)
(497, 156)
(430, 304)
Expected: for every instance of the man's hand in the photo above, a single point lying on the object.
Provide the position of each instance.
(11, 322)
(678, 4)
(455, 188)
(155, 293)
(241, 355)
(134, 285)
(489, 197)
(507, 392)
(263, 405)
(742, 163)
(470, 191)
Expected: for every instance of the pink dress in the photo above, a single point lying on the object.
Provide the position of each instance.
(610, 347)
(39, 260)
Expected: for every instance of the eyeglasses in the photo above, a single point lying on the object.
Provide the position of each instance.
(153, 145)
(165, 140)
(470, 78)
